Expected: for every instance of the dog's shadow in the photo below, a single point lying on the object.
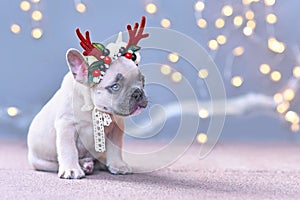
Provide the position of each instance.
(181, 181)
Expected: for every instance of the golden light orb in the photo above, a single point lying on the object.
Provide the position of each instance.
(249, 15)
(251, 24)
(238, 20)
(12, 111)
(237, 81)
(166, 23)
(275, 45)
(15, 28)
(203, 73)
(238, 51)
(248, 31)
(151, 8)
(227, 10)
(173, 57)
(213, 45)
(165, 69)
(247, 2)
(36, 33)
(203, 113)
(176, 77)
(296, 71)
(283, 107)
(265, 68)
(220, 23)
(37, 15)
(292, 117)
(271, 18)
(81, 8)
(288, 94)
(199, 6)
(278, 98)
(221, 39)
(295, 127)
(270, 2)
(202, 138)
(25, 6)
(275, 76)
(202, 23)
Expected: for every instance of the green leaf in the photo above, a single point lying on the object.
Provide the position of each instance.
(99, 46)
(133, 48)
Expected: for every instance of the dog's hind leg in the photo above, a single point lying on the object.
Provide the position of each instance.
(42, 165)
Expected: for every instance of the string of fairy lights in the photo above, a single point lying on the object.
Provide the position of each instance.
(231, 18)
(245, 21)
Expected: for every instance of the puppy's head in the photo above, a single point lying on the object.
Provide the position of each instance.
(121, 91)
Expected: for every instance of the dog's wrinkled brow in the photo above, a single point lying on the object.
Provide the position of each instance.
(118, 77)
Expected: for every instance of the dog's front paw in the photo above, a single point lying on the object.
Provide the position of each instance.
(119, 168)
(71, 173)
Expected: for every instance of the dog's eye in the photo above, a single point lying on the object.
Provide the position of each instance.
(115, 87)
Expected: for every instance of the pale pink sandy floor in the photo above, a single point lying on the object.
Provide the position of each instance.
(231, 171)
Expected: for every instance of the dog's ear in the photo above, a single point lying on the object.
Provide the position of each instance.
(77, 65)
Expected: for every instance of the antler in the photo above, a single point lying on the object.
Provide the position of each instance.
(85, 43)
(136, 34)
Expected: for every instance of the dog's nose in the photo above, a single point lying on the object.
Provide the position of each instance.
(137, 94)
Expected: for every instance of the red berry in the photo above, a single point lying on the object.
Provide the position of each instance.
(96, 73)
(128, 55)
(107, 60)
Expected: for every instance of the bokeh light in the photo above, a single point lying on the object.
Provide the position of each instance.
(36, 15)
(248, 31)
(203, 73)
(275, 76)
(12, 111)
(270, 2)
(166, 23)
(176, 77)
(227, 10)
(283, 107)
(203, 113)
(81, 8)
(202, 23)
(151, 8)
(213, 45)
(25, 6)
(249, 15)
(165, 69)
(237, 81)
(36, 33)
(202, 138)
(265, 68)
(238, 20)
(296, 71)
(173, 57)
(288, 94)
(276, 46)
(292, 117)
(199, 6)
(221, 39)
(15, 28)
(271, 18)
(278, 98)
(220, 23)
(238, 51)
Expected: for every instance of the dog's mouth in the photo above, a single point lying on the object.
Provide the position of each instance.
(135, 110)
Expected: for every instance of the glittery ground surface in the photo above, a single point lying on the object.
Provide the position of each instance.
(231, 171)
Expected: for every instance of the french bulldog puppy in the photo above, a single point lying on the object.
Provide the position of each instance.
(61, 136)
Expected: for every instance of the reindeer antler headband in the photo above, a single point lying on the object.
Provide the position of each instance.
(105, 55)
